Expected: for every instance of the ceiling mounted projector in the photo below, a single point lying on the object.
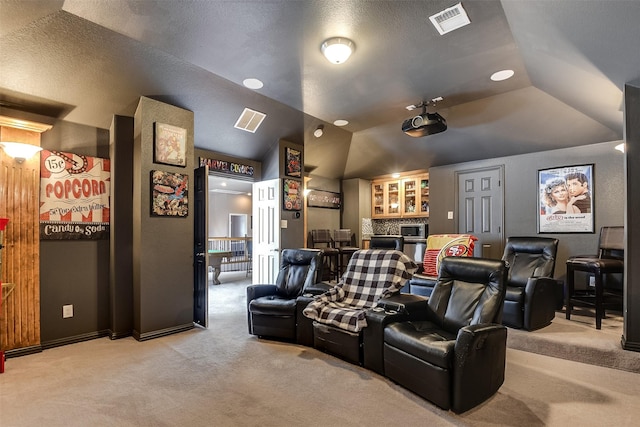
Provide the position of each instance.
(424, 124)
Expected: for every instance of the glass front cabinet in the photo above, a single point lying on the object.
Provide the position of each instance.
(407, 197)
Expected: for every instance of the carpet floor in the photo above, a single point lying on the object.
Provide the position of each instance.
(222, 376)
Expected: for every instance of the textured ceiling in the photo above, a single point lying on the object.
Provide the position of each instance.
(85, 60)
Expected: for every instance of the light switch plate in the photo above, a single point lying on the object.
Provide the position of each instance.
(450, 215)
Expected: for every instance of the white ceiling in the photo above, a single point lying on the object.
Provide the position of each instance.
(85, 60)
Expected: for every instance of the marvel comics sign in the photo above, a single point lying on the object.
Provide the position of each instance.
(74, 196)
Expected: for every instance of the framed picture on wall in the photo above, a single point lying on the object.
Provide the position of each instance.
(565, 199)
(170, 145)
(292, 198)
(169, 194)
(323, 199)
(293, 162)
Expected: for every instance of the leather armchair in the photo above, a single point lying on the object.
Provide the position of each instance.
(532, 293)
(452, 352)
(272, 309)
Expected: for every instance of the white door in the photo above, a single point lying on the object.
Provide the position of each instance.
(266, 231)
(480, 209)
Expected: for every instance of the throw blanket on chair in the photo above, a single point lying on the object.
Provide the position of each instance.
(371, 274)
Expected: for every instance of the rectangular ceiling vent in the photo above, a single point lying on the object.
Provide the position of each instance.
(249, 120)
(450, 19)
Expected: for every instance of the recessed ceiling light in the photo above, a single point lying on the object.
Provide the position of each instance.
(395, 175)
(252, 83)
(224, 184)
(499, 76)
(341, 122)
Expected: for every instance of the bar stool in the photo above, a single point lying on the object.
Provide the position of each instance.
(342, 240)
(321, 239)
(610, 259)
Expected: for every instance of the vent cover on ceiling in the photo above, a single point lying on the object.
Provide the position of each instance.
(450, 19)
(249, 120)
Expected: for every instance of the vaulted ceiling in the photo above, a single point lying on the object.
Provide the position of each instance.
(85, 60)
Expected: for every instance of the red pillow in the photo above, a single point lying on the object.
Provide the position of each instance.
(442, 245)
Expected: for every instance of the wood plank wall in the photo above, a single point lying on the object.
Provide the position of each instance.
(19, 201)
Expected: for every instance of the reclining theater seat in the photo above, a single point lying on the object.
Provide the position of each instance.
(453, 353)
(340, 314)
(271, 309)
(395, 243)
(438, 247)
(532, 294)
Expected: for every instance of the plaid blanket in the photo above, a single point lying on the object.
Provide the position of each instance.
(371, 274)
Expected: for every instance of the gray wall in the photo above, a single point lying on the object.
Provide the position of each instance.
(74, 271)
(356, 190)
(293, 235)
(520, 198)
(162, 246)
(322, 218)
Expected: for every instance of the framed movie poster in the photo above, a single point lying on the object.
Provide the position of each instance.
(170, 145)
(169, 194)
(292, 200)
(293, 166)
(565, 199)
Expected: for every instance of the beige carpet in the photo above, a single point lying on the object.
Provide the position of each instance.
(222, 376)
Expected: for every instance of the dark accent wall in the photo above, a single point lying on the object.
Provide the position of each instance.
(293, 235)
(521, 194)
(74, 271)
(631, 330)
(162, 246)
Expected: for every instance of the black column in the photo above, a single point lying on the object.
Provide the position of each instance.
(631, 330)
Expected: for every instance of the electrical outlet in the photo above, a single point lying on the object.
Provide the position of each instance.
(450, 215)
(67, 311)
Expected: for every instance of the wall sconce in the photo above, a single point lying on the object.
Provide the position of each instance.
(319, 131)
(20, 151)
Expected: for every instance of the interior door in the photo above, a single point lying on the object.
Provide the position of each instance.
(266, 231)
(200, 258)
(481, 209)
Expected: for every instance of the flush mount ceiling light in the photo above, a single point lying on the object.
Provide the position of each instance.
(319, 131)
(337, 49)
(501, 75)
(20, 151)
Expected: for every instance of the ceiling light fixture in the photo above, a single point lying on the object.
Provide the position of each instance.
(20, 151)
(253, 83)
(341, 122)
(319, 131)
(501, 75)
(337, 49)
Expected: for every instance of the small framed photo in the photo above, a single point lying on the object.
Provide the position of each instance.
(169, 194)
(170, 145)
(565, 199)
(293, 163)
(292, 198)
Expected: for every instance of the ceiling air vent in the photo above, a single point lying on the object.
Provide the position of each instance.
(450, 19)
(249, 120)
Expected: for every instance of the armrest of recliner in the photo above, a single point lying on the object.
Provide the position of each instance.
(540, 302)
(317, 288)
(397, 308)
(479, 363)
(257, 291)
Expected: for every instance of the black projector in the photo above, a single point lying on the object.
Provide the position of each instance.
(424, 124)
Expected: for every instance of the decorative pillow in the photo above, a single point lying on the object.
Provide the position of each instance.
(442, 245)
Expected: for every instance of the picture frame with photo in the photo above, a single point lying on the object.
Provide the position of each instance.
(293, 162)
(566, 199)
(292, 194)
(170, 145)
(169, 194)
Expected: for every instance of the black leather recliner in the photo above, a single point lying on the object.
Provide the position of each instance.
(394, 243)
(272, 310)
(533, 295)
(452, 351)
